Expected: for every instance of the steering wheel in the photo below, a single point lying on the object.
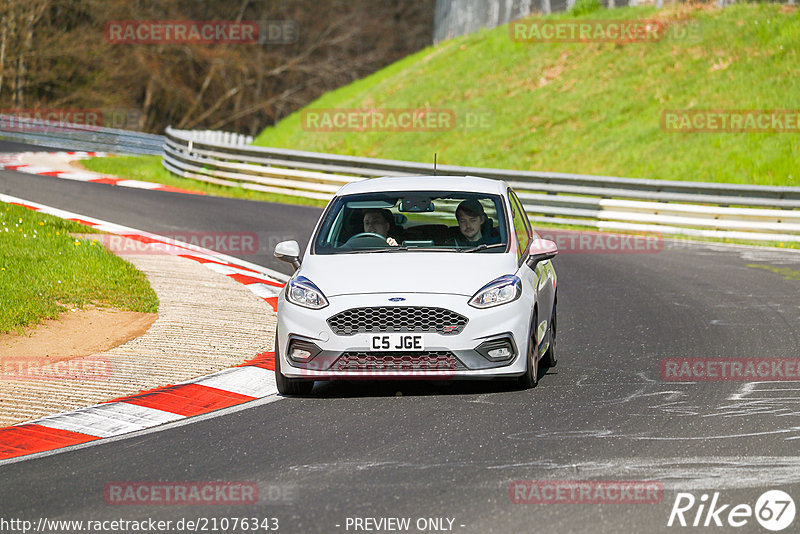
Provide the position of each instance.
(366, 239)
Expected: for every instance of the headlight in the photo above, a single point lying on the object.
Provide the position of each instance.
(303, 292)
(502, 290)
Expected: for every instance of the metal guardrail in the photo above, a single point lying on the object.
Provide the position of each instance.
(736, 211)
(79, 136)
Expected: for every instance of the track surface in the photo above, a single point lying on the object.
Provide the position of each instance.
(416, 450)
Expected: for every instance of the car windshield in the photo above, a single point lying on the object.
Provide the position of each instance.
(413, 221)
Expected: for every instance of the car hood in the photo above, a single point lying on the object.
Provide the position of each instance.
(406, 272)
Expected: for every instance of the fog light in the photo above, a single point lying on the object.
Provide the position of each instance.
(302, 351)
(300, 354)
(499, 349)
(500, 353)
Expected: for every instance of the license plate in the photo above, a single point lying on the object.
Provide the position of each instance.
(396, 342)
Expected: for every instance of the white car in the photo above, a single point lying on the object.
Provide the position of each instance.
(430, 277)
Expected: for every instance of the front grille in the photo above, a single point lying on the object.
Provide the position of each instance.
(441, 360)
(397, 319)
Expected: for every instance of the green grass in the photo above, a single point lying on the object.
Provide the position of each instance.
(787, 273)
(149, 169)
(590, 108)
(44, 271)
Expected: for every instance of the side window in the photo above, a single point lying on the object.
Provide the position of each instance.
(521, 225)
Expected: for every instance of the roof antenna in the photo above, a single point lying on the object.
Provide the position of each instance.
(434, 163)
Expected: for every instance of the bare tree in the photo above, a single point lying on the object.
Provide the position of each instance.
(56, 54)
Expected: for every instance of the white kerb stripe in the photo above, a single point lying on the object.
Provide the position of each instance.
(223, 269)
(35, 169)
(106, 420)
(251, 381)
(264, 290)
(79, 176)
(138, 184)
(231, 269)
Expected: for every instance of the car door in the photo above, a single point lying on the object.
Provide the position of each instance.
(541, 277)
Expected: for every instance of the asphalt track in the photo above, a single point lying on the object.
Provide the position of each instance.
(429, 450)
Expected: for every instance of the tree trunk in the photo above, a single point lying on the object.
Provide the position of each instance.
(3, 37)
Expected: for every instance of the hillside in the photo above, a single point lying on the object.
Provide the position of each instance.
(588, 107)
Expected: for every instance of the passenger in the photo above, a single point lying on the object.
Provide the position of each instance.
(472, 225)
(380, 221)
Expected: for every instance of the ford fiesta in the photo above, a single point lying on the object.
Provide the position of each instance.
(412, 278)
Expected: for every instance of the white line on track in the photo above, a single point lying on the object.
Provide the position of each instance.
(167, 426)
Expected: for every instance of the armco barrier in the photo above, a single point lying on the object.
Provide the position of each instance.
(72, 136)
(747, 212)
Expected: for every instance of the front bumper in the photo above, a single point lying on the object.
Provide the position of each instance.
(445, 356)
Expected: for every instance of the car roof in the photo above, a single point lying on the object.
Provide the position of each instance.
(471, 184)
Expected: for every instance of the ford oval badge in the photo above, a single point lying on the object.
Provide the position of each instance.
(396, 299)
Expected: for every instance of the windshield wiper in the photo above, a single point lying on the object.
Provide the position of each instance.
(482, 246)
(390, 249)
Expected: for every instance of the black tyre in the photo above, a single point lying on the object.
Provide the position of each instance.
(550, 358)
(290, 386)
(531, 376)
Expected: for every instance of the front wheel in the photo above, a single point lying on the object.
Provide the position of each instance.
(531, 376)
(290, 386)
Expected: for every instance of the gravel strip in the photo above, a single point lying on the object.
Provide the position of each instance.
(206, 322)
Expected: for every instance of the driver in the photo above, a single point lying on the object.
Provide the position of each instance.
(471, 221)
(379, 221)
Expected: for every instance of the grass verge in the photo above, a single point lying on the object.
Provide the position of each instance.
(44, 271)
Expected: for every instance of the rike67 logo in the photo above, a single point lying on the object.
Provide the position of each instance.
(774, 510)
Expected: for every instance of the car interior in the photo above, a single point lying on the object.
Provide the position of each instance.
(410, 233)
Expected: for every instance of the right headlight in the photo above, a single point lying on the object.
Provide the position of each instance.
(499, 291)
(303, 292)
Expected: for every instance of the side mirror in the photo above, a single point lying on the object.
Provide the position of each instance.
(541, 249)
(288, 251)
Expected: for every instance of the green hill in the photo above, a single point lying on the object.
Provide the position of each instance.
(591, 108)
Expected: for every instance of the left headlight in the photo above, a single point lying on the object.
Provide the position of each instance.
(502, 290)
(303, 292)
